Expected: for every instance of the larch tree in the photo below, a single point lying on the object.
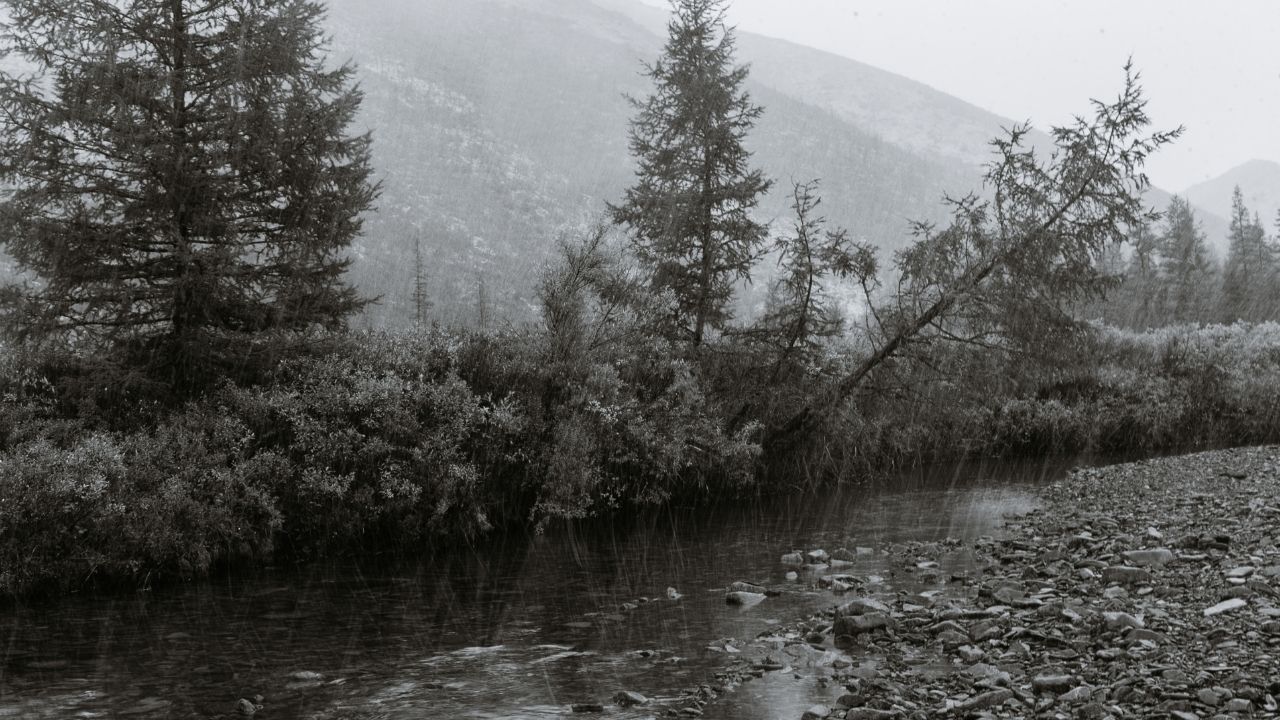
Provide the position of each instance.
(689, 211)
(179, 178)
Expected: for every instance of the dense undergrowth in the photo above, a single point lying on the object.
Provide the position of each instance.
(396, 440)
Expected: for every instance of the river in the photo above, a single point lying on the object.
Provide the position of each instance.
(517, 627)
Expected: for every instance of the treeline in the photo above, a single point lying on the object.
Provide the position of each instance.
(179, 388)
(1169, 275)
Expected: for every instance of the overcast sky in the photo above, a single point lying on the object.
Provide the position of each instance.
(1212, 67)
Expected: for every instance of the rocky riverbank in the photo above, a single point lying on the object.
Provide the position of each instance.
(1149, 589)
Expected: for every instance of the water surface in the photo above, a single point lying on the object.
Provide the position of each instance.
(519, 627)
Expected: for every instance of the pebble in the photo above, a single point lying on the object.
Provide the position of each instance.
(1225, 606)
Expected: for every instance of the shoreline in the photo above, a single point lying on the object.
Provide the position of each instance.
(1142, 589)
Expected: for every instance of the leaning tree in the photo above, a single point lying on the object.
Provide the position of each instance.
(179, 178)
(1010, 266)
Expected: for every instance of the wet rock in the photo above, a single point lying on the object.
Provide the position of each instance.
(1092, 711)
(986, 700)
(740, 586)
(1053, 683)
(794, 559)
(1225, 606)
(1243, 571)
(673, 594)
(1238, 705)
(1121, 620)
(862, 606)
(1126, 575)
(739, 597)
(1149, 558)
(1077, 696)
(817, 557)
(768, 664)
(970, 654)
(629, 698)
(1141, 634)
(858, 624)
(865, 713)
(1208, 697)
(246, 707)
(816, 712)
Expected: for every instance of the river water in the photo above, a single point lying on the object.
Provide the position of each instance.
(520, 627)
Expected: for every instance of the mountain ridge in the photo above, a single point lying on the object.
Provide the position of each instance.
(1259, 181)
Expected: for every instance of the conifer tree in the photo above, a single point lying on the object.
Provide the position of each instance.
(689, 211)
(1249, 272)
(180, 177)
(1186, 269)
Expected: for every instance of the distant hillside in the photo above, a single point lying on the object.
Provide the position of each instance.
(499, 124)
(1259, 182)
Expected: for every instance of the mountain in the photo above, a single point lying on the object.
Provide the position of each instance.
(1259, 183)
(501, 125)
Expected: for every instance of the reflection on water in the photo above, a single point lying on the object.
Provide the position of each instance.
(523, 627)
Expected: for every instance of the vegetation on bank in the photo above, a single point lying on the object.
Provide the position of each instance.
(396, 440)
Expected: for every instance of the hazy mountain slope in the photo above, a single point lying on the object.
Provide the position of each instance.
(497, 123)
(1259, 182)
(500, 123)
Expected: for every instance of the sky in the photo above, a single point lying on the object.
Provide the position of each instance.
(1213, 68)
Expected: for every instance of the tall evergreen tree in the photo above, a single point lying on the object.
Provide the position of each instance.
(180, 175)
(1249, 273)
(690, 209)
(1186, 269)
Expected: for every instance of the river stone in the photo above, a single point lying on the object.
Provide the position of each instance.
(816, 712)
(1208, 697)
(740, 586)
(743, 598)
(865, 713)
(857, 624)
(1077, 696)
(1117, 620)
(1243, 571)
(1053, 683)
(1125, 575)
(245, 707)
(985, 700)
(629, 698)
(1150, 558)
(970, 654)
(1225, 606)
(817, 557)
(1140, 634)
(862, 606)
(794, 559)
(1238, 705)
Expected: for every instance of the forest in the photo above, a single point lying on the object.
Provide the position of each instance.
(183, 389)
